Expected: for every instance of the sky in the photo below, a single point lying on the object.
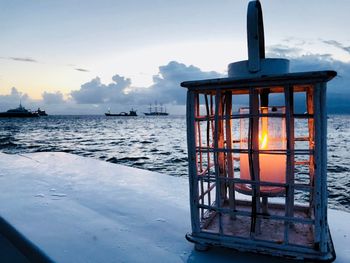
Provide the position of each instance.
(83, 56)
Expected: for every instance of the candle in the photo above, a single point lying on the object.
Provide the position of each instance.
(272, 167)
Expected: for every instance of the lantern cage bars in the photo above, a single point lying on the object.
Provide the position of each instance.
(240, 207)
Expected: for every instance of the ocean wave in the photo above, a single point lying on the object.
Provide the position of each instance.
(156, 144)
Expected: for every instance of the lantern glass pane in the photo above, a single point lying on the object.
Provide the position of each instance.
(272, 143)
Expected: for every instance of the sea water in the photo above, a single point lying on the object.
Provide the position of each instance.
(153, 143)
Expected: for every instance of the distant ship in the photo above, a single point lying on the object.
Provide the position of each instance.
(19, 112)
(155, 112)
(132, 113)
(41, 112)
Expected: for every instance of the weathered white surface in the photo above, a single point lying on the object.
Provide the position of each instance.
(78, 209)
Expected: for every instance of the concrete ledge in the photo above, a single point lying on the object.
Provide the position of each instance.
(77, 209)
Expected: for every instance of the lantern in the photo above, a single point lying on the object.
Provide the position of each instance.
(257, 156)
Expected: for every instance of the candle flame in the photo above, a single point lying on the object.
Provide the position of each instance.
(263, 140)
(264, 129)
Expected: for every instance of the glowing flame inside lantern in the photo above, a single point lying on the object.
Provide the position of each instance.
(263, 140)
(264, 129)
(272, 167)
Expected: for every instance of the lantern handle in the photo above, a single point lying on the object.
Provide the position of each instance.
(255, 35)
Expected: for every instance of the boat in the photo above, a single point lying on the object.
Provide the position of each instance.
(155, 112)
(41, 112)
(19, 112)
(131, 113)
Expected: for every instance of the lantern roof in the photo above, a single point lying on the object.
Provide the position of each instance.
(295, 78)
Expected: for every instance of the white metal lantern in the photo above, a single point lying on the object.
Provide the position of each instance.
(257, 173)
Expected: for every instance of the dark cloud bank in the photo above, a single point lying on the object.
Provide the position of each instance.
(338, 92)
(52, 98)
(166, 84)
(165, 88)
(94, 97)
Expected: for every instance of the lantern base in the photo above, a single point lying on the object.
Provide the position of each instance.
(268, 239)
(207, 242)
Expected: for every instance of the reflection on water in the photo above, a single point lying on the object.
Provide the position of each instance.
(153, 143)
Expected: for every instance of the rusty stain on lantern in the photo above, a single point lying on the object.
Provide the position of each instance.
(258, 156)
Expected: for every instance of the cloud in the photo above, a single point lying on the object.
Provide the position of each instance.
(166, 84)
(283, 51)
(95, 97)
(82, 69)
(95, 92)
(23, 59)
(75, 67)
(295, 41)
(53, 98)
(14, 95)
(314, 62)
(338, 88)
(13, 99)
(90, 92)
(51, 102)
(337, 44)
(165, 88)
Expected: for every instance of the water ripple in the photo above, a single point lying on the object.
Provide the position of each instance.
(156, 144)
